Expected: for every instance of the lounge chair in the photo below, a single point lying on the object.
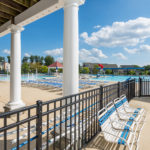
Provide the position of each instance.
(123, 137)
(120, 124)
(129, 109)
(125, 115)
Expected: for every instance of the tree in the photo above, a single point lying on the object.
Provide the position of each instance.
(37, 59)
(41, 60)
(25, 68)
(8, 58)
(60, 70)
(146, 72)
(44, 69)
(147, 67)
(2, 59)
(85, 70)
(49, 60)
(108, 71)
(31, 59)
(80, 69)
(95, 69)
(53, 70)
(132, 72)
(25, 59)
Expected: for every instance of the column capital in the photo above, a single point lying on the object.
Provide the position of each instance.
(15, 28)
(73, 2)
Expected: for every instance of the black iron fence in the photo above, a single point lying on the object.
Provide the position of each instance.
(144, 87)
(65, 123)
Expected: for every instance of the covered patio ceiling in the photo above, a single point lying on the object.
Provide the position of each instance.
(11, 8)
(23, 12)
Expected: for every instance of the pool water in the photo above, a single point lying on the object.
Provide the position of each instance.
(117, 78)
(24, 77)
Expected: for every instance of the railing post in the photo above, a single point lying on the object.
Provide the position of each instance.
(134, 87)
(140, 87)
(39, 126)
(101, 97)
(129, 96)
(118, 89)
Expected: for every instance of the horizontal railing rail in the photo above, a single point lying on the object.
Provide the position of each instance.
(64, 123)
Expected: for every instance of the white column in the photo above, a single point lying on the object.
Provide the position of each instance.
(15, 69)
(71, 47)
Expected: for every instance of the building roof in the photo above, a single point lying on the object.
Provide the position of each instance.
(56, 64)
(110, 65)
(91, 65)
(128, 66)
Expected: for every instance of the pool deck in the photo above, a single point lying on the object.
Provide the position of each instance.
(99, 143)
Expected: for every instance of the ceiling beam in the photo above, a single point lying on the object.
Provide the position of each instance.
(24, 3)
(4, 15)
(32, 2)
(13, 5)
(7, 10)
(3, 20)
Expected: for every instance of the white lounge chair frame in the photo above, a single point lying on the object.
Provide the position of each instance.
(113, 135)
(117, 123)
(128, 109)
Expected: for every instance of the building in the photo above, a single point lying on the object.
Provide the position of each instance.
(4, 67)
(91, 66)
(125, 71)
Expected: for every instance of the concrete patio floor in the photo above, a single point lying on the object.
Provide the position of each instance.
(99, 143)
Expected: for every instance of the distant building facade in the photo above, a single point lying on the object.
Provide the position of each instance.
(127, 70)
(91, 66)
(4, 66)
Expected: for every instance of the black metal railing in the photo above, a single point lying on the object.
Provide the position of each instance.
(144, 87)
(65, 123)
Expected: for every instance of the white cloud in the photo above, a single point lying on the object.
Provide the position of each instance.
(124, 34)
(131, 51)
(98, 53)
(142, 48)
(54, 52)
(27, 55)
(120, 56)
(97, 27)
(145, 48)
(6, 51)
(93, 55)
(84, 35)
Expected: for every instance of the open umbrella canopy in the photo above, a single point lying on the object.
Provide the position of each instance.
(56, 65)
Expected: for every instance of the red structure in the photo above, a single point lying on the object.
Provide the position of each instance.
(100, 65)
(56, 65)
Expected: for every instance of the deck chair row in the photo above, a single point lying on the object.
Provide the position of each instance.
(121, 123)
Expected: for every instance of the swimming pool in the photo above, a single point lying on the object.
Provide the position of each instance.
(117, 78)
(25, 77)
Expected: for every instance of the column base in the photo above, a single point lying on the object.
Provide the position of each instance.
(13, 105)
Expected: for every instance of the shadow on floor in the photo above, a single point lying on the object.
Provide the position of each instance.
(99, 143)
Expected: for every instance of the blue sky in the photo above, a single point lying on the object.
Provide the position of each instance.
(111, 31)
